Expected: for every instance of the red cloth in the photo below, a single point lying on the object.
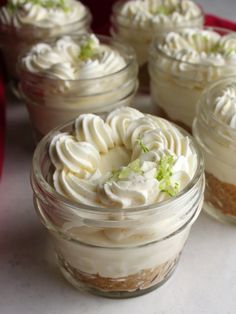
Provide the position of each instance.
(101, 12)
(212, 20)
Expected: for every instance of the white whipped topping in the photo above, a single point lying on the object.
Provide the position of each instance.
(152, 18)
(62, 59)
(225, 106)
(201, 47)
(146, 14)
(43, 14)
(130, 181)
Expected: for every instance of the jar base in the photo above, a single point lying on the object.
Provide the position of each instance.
(90, 283)
(220, 200)
(217, 214)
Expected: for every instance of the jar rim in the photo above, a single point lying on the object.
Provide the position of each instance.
(154, 49)
(120, 3)
(45, 187)
(131, 56)
(205, 106)
(33, 27)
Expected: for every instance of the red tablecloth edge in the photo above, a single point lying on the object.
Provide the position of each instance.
(213, 20)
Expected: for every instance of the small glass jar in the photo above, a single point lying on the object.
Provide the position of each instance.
(140, 37)
(218, 143)
(177, 85)
(14, 40)
(116, 253)
(51, 102)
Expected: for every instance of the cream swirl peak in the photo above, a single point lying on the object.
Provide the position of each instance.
(70, 59)
(146, 13)
(199, 46)
(42, 13)
(224, 107)
(141, 161)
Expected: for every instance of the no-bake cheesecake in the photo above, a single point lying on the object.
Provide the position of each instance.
(25, 22)
(76, 74)
(123, 192)
(183, 64)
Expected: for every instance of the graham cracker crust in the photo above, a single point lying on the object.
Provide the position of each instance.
(139, 281)
(221, 195)
(161, 112)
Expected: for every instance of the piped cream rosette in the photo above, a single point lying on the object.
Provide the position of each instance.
(137, 22)
(224, 108)
(129, 159)
(42, 13)
(68, 60)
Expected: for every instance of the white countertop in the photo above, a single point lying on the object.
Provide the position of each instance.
(30, 283)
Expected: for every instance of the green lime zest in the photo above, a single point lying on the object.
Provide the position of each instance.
(87, 50)
(164, 173)
(206, 39)
(144, 148)
(164, 10)
(124, 172)
(11, 6)
(165, 186)
(165, 167)
(47, 4)
(230, 51)
(215, 48)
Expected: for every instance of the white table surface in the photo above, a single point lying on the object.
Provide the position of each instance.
(30, 283)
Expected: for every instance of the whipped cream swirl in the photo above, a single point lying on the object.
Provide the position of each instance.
(200, 46)
(71, 59)
(42, 13)
(152, 13)
(224, 108)
(215, 54)
(146, 158)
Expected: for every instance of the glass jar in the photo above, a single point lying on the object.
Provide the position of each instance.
(51, 102)
(218, 143)
(14, 40)
(177, 85)
(116, 253)
(141, 36)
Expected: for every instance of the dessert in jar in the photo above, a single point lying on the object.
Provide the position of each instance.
(183, 63)
(215, 130)
(25, 22)
(138, 22)
(76, 74)
(119, 194)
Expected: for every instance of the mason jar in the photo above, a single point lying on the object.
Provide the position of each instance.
(14, 40)
(218, 143)
(114, 252)
(176, 85)
(140, 35)
(51, 101)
